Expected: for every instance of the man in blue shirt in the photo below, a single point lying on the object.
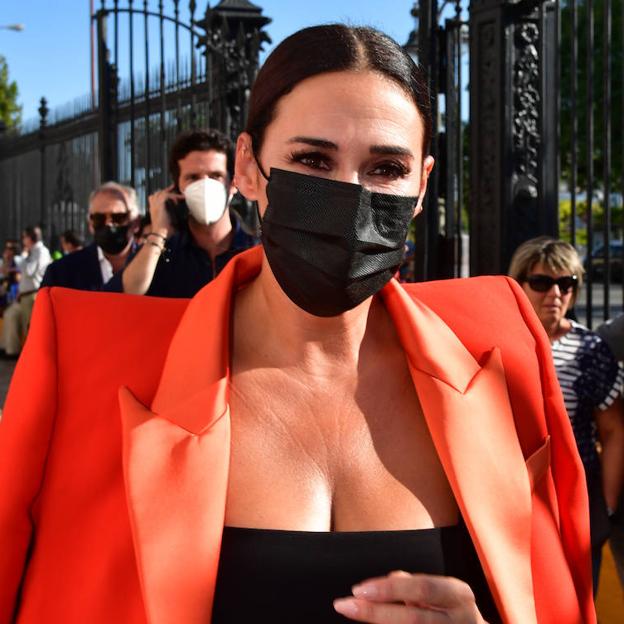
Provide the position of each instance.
(193, 232)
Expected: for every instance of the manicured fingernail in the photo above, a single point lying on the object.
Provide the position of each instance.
(366, 590)
(346, 606)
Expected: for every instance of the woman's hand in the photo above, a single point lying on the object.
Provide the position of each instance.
(402, 598)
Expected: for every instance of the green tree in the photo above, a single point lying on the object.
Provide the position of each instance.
(597, 104)
(10, 110)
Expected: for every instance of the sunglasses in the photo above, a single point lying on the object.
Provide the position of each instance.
(543, 283)
(99, 219)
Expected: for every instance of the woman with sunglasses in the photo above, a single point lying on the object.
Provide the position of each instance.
(551, 274)
(279, 447)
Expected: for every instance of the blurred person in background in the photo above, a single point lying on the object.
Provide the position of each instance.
(113, 214)
(70, 242)
(143, 231)
(9, 274)
(35, 259)
(551, 273)
(193, 231)
(612, 333)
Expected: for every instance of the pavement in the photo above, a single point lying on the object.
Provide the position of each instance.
(610, 599)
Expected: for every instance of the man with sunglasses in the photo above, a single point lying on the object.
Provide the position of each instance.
(113, 214)
(194, 233)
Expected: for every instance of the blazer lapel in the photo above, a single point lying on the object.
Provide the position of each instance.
(176, 458)
(467, 410)
(176, 483)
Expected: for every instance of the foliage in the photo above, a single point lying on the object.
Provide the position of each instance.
(10, 110)
(598, 220)
(597, 104)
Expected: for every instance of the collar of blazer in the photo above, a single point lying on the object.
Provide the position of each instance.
(176, 454)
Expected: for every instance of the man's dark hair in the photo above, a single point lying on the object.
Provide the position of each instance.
(33, 232)
(72, 238)
(199, 141)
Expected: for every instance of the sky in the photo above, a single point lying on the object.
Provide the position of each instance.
(51, 56)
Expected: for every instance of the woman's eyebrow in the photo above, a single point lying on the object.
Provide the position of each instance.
(314, 142)
(391, 150)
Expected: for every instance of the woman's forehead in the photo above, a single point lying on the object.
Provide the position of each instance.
(549, 266)
(348, 105)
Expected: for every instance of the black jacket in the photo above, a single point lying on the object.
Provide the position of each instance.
(79, 269)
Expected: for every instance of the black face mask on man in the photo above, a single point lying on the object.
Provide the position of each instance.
(113, 239)
(331, 245)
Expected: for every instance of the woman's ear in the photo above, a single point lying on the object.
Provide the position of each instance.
(246, 168)
(424, 178)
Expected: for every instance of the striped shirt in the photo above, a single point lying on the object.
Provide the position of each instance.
(590, 378)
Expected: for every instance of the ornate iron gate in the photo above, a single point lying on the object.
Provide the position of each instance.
(161, 68)
(538, 138)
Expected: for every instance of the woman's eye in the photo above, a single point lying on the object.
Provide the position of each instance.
(313, 160)
(390, 170)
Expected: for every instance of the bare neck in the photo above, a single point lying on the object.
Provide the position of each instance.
(557, 329)
(214, 239)
(270, 330)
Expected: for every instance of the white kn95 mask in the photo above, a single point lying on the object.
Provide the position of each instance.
(206, 200)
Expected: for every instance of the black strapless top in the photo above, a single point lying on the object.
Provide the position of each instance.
(294, 576)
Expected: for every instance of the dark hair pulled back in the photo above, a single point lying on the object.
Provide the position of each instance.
(332, 48)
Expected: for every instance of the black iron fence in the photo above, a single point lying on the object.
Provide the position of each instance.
(592, 145)
(161, 67)
(544, 79)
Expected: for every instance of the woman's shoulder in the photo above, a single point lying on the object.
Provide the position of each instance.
(482, 311)
(77, 311)
(482, 283)
(475, 296)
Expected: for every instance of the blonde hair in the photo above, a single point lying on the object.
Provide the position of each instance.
(557, 255)
(122, 192)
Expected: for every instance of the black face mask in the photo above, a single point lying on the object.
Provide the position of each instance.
(331, 245)
(113, 239)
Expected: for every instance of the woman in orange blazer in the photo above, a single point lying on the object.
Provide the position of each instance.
(151, 449)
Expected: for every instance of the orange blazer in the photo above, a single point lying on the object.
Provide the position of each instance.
(114, 451)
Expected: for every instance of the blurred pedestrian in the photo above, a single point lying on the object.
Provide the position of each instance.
(35, 259)
(144, 229)
(193, 231)
(113, 214)
(613, 334)
(9, 274)
(551, 273)
(70, 242)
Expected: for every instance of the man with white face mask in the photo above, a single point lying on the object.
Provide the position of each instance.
(193, 233)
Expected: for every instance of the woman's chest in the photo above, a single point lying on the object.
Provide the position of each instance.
(333, 457)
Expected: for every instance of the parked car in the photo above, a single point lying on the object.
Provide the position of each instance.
(616, 247)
